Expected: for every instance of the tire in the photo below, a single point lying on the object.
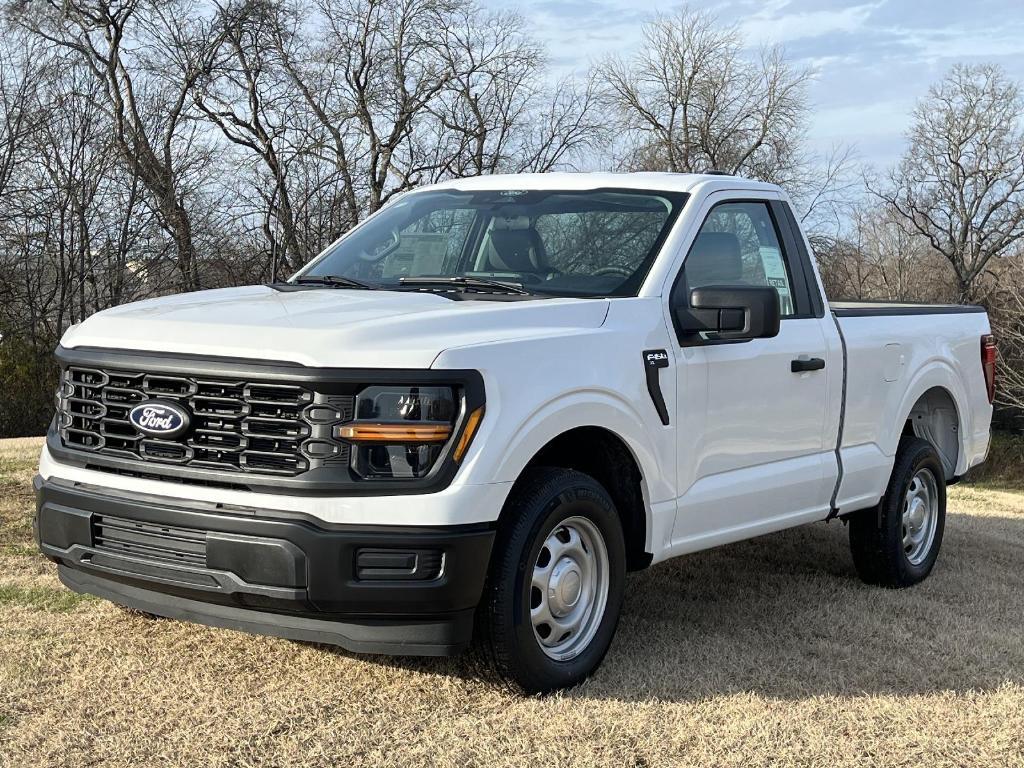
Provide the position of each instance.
(895, 544)
(552, 511)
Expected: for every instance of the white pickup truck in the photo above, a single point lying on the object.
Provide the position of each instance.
(476, 411)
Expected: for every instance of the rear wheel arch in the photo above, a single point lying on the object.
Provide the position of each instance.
(939, 396)
(935, 418)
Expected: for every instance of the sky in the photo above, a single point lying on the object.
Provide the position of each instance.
(873, 60)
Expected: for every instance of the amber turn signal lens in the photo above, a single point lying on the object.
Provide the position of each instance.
(394, 433)
(467, 434)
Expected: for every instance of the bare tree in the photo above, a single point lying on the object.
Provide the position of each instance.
(243, 93)
(74, 213)
(17, 87)
(1002, 288)
(389, 61)
(316, 75)
(126, 44)
(497, 113)
(878, 257)
(491, 66)
(412, 91)
(960, 185)
(691, 101)
(567, 126)
(825, 189)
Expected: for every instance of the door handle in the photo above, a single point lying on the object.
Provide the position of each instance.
(810, 364)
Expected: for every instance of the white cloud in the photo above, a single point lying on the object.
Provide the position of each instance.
(937, 44)
(879, 118)
(773, 25)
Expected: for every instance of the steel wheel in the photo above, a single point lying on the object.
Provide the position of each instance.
(896, 543)
(920, 516)
(569, 588)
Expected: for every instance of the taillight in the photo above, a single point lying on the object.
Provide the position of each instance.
(988, 364)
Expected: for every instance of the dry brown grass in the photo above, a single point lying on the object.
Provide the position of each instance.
(768, 652)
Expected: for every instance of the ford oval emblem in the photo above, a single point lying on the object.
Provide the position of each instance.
(159, 419)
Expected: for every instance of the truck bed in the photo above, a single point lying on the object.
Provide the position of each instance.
(897, 352)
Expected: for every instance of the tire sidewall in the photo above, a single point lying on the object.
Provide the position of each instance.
(923, 457)
(576, 500)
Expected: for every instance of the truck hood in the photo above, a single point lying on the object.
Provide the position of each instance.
(330, 328)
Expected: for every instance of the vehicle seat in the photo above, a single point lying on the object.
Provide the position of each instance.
(714, 259)
(512, 245)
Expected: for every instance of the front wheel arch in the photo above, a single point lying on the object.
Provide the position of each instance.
(604, 456)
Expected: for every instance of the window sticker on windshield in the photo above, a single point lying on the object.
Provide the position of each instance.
(419, 253)
(775, 274)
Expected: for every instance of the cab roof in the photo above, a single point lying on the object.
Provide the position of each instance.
(654, 181)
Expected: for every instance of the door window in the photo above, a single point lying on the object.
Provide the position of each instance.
(739, 245)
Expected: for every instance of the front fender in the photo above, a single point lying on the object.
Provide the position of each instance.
(585, 408)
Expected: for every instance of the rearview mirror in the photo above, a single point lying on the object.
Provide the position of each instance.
(734, 312)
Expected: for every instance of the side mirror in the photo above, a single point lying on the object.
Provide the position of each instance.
(735, 312)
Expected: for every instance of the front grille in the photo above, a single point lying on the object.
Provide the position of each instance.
(236, 425)
(201, 482)
(149, 541)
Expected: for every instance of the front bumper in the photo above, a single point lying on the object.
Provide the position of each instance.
(372, 589)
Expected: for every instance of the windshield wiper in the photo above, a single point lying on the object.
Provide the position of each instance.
(464, 283)
(334, 281)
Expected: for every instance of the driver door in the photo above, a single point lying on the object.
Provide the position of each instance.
(751, 448)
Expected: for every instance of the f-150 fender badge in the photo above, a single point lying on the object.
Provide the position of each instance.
(654, 361)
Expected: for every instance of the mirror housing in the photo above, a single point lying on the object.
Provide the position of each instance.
(732, 312)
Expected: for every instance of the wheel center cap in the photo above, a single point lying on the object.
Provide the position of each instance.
(917, 514)
(564, 586)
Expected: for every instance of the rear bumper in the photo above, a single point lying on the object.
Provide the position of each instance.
(372, 589)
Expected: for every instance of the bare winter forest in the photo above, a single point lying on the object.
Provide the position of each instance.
(151, 147)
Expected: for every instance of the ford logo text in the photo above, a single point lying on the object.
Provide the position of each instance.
(158, 419)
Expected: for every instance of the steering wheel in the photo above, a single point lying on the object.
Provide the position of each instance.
(532, 278)
(612, 270)
(384, 250)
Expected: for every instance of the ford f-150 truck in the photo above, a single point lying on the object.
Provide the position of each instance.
(473, 414)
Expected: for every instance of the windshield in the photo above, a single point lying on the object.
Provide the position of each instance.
(559, 243)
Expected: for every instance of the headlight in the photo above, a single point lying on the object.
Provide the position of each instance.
(402, 431)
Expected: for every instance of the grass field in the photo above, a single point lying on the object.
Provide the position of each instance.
(768, 652)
